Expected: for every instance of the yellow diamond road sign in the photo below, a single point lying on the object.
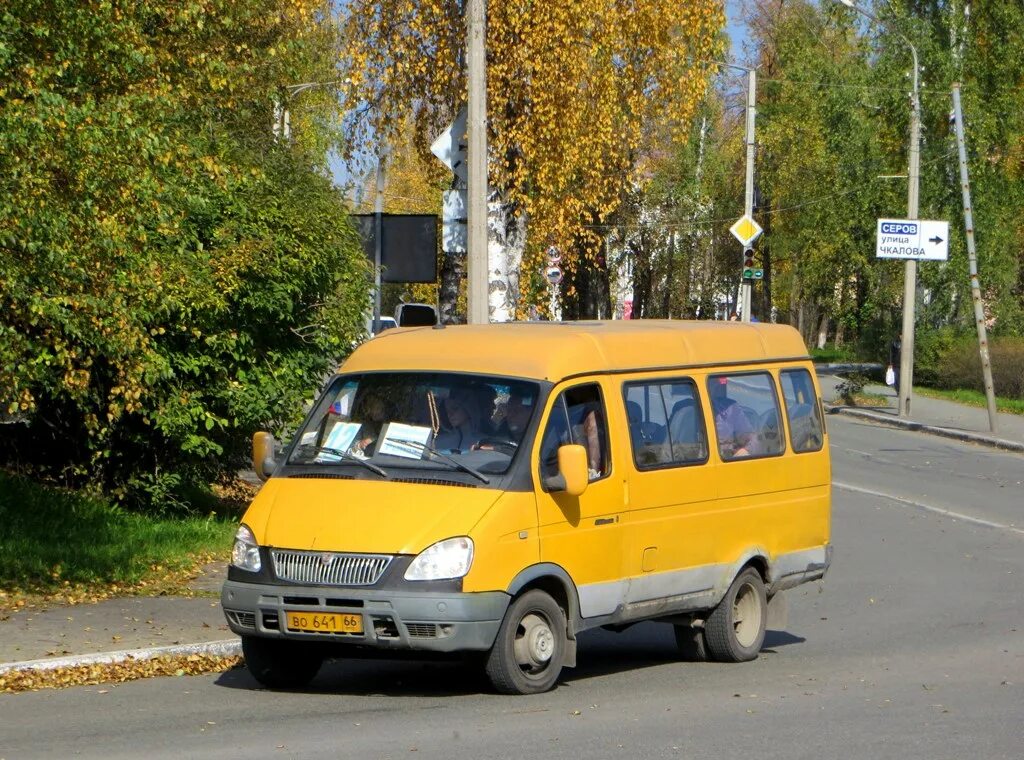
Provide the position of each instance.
(746, 230)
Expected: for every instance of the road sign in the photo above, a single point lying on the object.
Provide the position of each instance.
(912, 239)
(554, 275)
(554, 257)
(746, 230)
(453, 234)
(452, 147)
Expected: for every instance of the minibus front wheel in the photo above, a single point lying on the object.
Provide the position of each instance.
(530, 646)
(279, 664)
(734, 631)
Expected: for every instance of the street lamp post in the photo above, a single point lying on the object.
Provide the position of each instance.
(910, 274)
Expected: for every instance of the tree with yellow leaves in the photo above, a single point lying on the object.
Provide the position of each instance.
(574, 90)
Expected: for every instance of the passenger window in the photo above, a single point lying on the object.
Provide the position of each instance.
(746, 412)
(802, 411)
(578, 416)
(665, 424)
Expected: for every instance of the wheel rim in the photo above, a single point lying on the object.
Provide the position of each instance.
(746, 615)
(534, 644)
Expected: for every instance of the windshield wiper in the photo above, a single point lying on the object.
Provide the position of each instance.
(352, 458)
(444, 457)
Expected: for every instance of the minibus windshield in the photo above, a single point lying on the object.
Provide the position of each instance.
(424, 420)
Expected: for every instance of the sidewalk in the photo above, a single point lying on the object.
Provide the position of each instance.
(118, 630)
(930, 415)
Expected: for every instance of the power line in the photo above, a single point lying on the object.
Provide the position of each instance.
(682, 226)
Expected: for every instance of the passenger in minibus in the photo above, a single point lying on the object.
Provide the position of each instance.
(736, 436)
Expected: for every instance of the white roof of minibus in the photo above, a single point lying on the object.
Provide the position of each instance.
(556, 350)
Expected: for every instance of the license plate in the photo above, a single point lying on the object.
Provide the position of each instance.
(323, 622)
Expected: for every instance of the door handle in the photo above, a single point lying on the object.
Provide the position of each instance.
(606, 520)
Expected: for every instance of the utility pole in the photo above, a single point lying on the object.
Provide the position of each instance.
(748, 194)
(378, 239)
(979, 311)
(910, 273)
(476, 33)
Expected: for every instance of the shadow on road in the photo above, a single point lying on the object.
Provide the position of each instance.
(601, 653)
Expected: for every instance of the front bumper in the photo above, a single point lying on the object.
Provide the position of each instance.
(396, 620)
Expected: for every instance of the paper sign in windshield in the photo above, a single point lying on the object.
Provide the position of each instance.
(340, 438)
(397, 431)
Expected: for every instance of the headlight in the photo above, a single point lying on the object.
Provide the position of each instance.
(446, 559)
(245, 554)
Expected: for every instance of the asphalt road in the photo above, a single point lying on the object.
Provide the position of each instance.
(912, 647)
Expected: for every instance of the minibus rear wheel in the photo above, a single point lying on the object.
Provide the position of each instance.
(279, 664)
(734, 630)
(528, 651)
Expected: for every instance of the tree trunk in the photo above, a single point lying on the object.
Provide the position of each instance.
(666, 300)
(453, 275)
(506, 241)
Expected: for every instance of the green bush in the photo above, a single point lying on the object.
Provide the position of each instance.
(929, 346)
(960, 366)
(851, 386)
(172, 277)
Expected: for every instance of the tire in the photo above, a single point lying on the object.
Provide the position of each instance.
(530, 646)
(691, 643)
(735, 629)
(280, 664)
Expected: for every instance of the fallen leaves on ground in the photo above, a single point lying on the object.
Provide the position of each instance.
(159, 581)
(117, 672)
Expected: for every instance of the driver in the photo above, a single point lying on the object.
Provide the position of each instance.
(518, 410)
(509, 432)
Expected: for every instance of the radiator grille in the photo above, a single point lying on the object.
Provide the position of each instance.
(328, 568)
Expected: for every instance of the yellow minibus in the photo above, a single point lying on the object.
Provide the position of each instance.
(498, 489)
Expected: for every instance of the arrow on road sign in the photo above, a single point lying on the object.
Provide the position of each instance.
(935, 240)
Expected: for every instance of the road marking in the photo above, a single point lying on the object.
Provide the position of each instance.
(929, 508)
(862, 453)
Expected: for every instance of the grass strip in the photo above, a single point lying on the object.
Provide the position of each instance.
(973, 398)
(56, 541)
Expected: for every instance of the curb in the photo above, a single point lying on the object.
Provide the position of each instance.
(920, 427)
(225, 648)
(839, 368)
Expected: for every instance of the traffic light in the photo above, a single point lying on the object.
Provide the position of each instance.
(750, 270)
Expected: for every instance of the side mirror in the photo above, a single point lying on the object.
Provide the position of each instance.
(573, 472)
(263, 455)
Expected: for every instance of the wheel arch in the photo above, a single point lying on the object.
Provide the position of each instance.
(755, 557)
(556, 582)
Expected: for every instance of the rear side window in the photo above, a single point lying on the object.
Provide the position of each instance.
(802, 410)
(666, 427)
(746, 411)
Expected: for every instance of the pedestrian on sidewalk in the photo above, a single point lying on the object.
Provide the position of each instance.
(895, 356)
